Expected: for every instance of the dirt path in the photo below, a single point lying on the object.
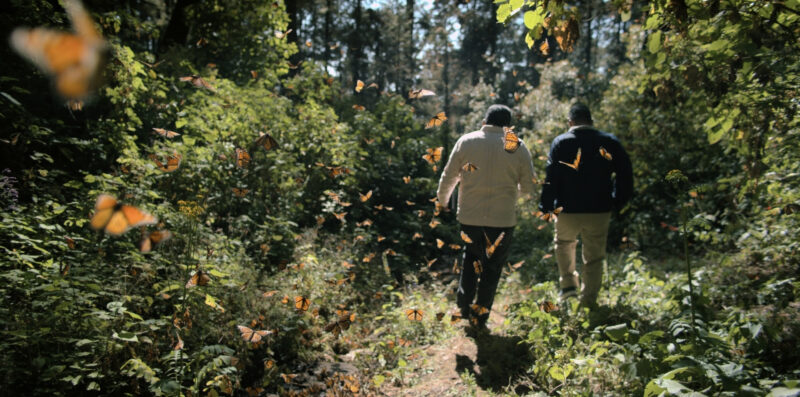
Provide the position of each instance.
(490, 360)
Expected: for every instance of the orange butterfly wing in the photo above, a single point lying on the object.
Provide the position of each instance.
(266, 141)
(466, 238)
(414, 314)
(359, 85)
(574, 165)
(605, 154)
(242, 158)
(73, 60)
(510, 140)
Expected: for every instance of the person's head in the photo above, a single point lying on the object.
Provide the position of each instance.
(498, 115)
(579, 114)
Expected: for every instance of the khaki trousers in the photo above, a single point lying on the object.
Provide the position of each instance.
(593, 230)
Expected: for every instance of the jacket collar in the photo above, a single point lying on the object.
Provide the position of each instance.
(491, 128)
(581, 127)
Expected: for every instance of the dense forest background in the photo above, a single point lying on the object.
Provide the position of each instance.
(702, 286)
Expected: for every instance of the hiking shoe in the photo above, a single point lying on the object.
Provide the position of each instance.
(566, 293)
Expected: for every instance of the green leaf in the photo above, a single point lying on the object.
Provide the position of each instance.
(503, 12)
(654, 42)
(529, 40)
(784, 392)
(626, 16)
(717, 45)
(516, 5)
(125, 336)
(180, 123)
(616, 332)
(378, 380)
(557, 373)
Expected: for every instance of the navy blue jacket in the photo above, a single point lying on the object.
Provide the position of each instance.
(598, 184)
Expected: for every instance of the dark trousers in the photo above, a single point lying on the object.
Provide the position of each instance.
(485, 282)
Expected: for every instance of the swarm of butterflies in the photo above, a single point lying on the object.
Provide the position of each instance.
(75, 60)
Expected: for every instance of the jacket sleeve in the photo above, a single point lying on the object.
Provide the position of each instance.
(623, 185)
(525, 184)
(548, 197)
(450, 176)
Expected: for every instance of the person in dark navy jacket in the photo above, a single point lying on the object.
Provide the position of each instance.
(589, 175)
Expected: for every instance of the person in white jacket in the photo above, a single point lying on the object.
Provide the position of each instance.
(491, 171)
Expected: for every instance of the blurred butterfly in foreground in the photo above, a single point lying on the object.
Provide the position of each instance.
(116, 218)
(251, 335)
(510, 140)
(575, 163)
(436, 121)
(73, 60)
(152, 239)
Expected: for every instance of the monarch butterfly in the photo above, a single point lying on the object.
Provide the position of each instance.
(455, 317)
(490, 248)
(342, 323)
(365, 222)
(340, 215)
(242, 158)
(198, 82)
(436, 121)
(390, 252)
(73, 60)
(416, 236)
(545, 48)
(510, 140)
(251, 335)
(465, 237)
(368, 258)
(479, 310)
(365, 197)
(199, 278)
(173, 162)
(433, 223)
(433, 155)
(75, 105)
(430, 262)
(439, 243)
(469, 167)
(240, 192)
(550, 216)
(407, 179)
(269, 293)
(165, 133)
(155, 237)
(336, 171)
(575, 163)
(116, 218)
(287, 378)
(373, 85)
(179, 344)
(439, 316)
(381, 238)
(414, 314)
(517, 96)
(478, 267)
(360, 108)
(516, 265)
(301, 303)
(548, 307)
(280, 35)
(454, 246)
(420, 93)
(359, 85)
(456, 269)
(606, 155)
(266, 141)
(70, 242)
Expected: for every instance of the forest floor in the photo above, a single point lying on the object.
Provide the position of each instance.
(464, 363)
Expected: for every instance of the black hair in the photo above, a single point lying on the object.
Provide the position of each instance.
(498, 115)
(579, 113)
